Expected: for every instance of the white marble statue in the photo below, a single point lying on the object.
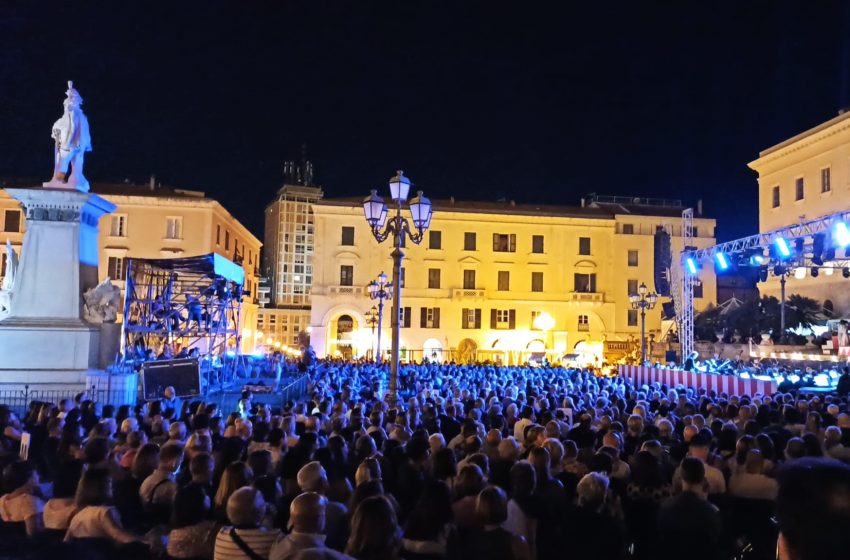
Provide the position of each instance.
(71, 134)
(8, 279)
(102, 303)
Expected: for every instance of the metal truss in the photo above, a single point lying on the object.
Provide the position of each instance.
(685, 309)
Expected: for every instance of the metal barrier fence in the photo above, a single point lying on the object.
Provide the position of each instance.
(19, 401)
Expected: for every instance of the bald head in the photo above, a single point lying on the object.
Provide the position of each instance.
(307, 513)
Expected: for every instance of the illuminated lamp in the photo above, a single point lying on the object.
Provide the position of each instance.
(722, 262)
(692, 265)
(783, 251)
(841, 234)
(800, 272)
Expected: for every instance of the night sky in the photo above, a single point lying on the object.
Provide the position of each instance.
(532, 101)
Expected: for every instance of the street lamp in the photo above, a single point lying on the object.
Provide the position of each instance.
(643, 300)
(380, 290)
(372, 321)
(383, 226)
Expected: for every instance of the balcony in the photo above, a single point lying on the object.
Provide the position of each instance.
(467, 293)
(586, 297)
(345, 290)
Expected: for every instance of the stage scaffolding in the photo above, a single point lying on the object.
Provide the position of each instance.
(805, 252)
(190, 305)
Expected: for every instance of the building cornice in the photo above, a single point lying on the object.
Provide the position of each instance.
(802, 141)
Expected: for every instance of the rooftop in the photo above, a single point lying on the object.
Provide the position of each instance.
(117, 189)
(843, 116)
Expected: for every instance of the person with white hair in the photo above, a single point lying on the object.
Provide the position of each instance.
(313, 478)
(245, 539)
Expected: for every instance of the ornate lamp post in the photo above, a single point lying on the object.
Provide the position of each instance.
(399, 227)
(380, 290)
(643, 300)
(372, 320)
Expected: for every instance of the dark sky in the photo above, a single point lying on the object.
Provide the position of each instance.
(535, 101)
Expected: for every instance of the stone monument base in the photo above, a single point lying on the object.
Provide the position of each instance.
(47, 354)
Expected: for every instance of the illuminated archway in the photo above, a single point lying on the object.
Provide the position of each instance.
(432, 350)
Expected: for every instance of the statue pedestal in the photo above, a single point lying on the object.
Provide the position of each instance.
(44, 342)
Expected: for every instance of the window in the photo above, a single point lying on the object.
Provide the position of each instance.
(118, 225)
(404, 317)
(3, 259)
(583, 323)
(429, 317)
(401, 279)
(799, 189)
(536, 243)
(174, 227)
(633, 286)
(226, 240)
(115, 268)
(633, 317)
(776, 196)
(435, 239)
(218, 234)
(536, 281)
(504, 242)
(502, 318)
(534, 316)
(469, 241)
(12, 221)
(629, 229)
(633, 257)
(695, 231)
(347, 235)
(346, 275)
(468, 279)
(470, 319)
(504, 280)
(825, 180)
(434, 278)
(583, 245)
(698, 290)
(584, 283)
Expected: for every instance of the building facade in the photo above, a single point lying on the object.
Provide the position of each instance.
(151, 221)
(803, 178)
(485, 272)
(288, 264)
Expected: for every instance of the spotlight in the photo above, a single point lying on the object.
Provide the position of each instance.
(691, 263)
(757, 259)
(814, 272)
(829, 254)
(828, 271)
(841, 234)
(778, 270)
(763, 271)
(845, 272)
(782, 248)
(799, 245)
(800, 272)
(817, 249)
(722, 261)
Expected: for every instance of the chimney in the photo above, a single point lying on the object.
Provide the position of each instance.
(699, 207)
(452, 200)
(513, 202)
(153, 182)
(582, 202)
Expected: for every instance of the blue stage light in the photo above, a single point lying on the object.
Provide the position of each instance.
(782, 248)
(841, 234)
(722, 261)
(692, 265)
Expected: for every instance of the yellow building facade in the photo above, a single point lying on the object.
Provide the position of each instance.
(475, 286)
(800, 179)
(155, 222)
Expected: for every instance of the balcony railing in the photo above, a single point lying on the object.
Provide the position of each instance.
(583, 327)
(345, 290)
(467, 293)
(587, 297)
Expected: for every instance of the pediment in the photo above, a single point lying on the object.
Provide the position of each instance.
(468, 260)
(346, 255)
(584, 263)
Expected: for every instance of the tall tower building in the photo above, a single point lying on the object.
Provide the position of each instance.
(288, 257)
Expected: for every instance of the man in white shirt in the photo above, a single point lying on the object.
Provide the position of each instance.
(751, 483)
(699, 448)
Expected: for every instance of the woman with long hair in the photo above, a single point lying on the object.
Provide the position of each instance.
(20, 503)
(429, 532)
(192, 534)
(235, 476)
(375, 534)
(96, 517)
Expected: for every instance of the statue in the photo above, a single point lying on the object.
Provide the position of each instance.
(102, 303)
(71, 134)
(8, 279)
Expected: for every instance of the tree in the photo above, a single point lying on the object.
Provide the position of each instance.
(801, 310)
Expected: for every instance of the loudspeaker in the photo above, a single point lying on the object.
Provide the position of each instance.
(670, 357)
(183, 375)
(663, 260)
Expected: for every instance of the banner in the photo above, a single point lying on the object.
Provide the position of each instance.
(729, 384)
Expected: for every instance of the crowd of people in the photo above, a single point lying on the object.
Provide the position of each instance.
(474, 461)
